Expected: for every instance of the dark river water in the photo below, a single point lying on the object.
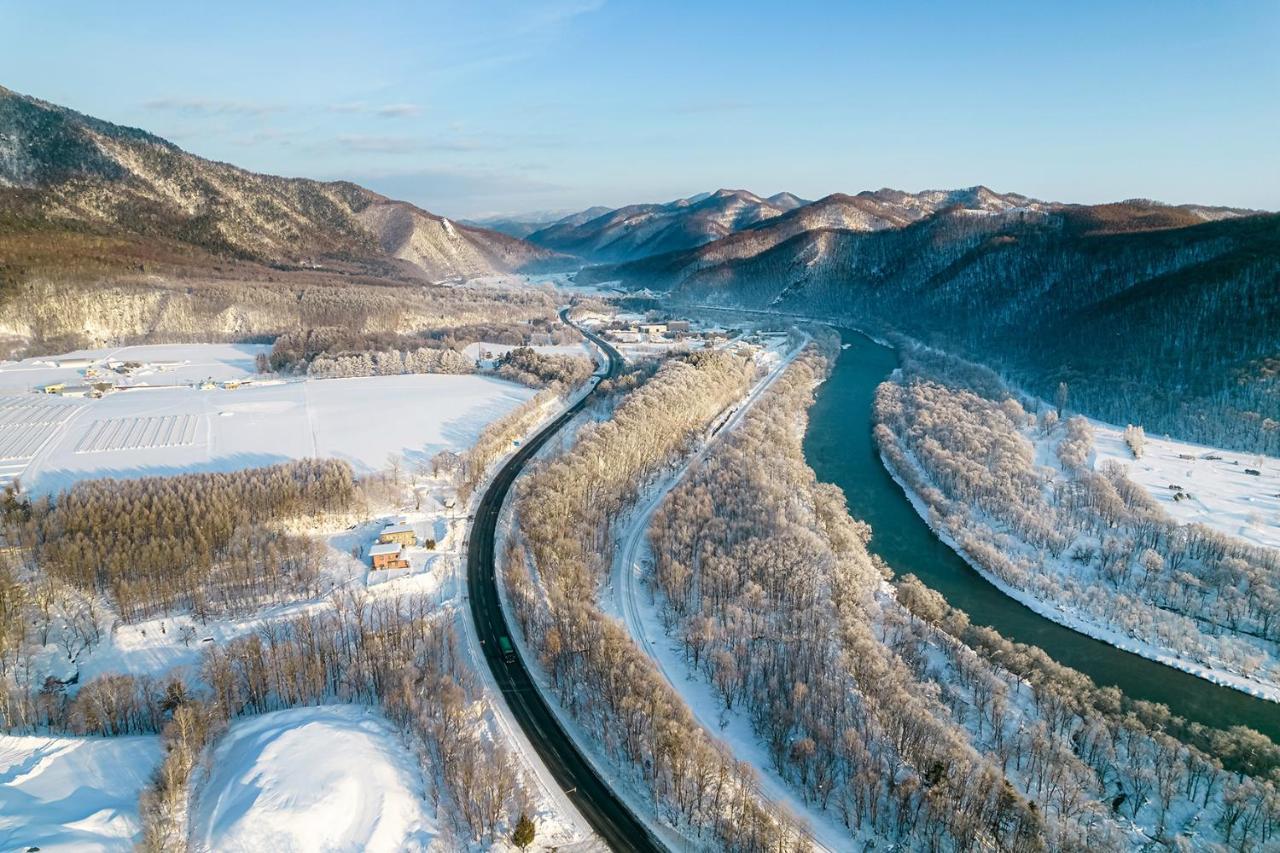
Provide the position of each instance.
(840, 449)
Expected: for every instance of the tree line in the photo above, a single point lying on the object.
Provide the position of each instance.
(898, 715)
(1092, 541)
(208, 542)
(399, 654)
(565, 510)
(765, 580)
(530, 367)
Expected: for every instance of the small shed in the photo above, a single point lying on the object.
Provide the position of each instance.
(389, 555)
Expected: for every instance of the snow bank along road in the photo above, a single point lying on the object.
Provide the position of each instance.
(606, 813)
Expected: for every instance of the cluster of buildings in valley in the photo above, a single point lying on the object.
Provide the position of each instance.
(654, 331)
(97, 384)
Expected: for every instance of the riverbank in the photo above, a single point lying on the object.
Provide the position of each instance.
(1076, 623)
(839, 447)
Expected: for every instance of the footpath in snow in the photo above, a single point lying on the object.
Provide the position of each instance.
(627, 598)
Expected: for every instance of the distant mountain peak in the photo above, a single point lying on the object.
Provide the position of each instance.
(645, 229)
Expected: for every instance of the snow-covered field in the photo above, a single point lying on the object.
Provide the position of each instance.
(176, 430)
(174, 644)
(65, 793)
(1219, 492)
(160, 364)
(322, 778)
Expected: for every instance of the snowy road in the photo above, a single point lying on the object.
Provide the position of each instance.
(597, 802)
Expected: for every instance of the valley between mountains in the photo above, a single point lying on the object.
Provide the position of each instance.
(936, 520)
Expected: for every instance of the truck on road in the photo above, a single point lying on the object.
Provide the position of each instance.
(508, 650)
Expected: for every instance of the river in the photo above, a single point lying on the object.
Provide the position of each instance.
(840, 449)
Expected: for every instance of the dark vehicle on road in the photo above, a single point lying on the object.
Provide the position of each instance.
(508, 651)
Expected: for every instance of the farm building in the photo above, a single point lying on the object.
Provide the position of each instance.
(79, 391)
(677, 325)
(401, 534)
(653, 329)
(389, 555)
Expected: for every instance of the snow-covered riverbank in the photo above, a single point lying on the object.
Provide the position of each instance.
(1076, 622)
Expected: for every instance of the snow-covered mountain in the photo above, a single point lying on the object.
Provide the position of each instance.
(1166, 313)
(640, 230)
(865, 212)
(523, 224)
(71, 171)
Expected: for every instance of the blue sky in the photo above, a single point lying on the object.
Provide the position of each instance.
(481, 107)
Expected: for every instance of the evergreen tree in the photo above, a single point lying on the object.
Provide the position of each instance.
(524, 833)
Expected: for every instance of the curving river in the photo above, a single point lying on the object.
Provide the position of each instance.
(840, 449)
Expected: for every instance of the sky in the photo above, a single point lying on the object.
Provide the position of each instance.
(480, 108)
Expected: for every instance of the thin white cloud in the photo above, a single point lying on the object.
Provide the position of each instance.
(383, 110)
(375, 144)
(211, 106)
(398, 110)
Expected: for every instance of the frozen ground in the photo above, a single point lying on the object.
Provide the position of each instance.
(1221, 494)
(176, 430)
(161, 364)
(64, 793)
(332, 777)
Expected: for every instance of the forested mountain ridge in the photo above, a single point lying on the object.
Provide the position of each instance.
(63, 173)
(1169, 316)
(640, 230)
(522, 225)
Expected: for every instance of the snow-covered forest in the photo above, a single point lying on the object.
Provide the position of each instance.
(884, 708)
(1180, 322)
(1019, 495)
(565, 510)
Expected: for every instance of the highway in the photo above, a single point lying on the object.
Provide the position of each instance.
(607, 814)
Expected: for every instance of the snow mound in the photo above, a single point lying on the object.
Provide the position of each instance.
(326, 778)
(63, 793)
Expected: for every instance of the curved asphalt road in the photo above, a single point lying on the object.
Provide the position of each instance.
(610, 818)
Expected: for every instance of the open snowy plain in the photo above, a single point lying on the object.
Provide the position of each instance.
(49, 442)
(73, 793)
